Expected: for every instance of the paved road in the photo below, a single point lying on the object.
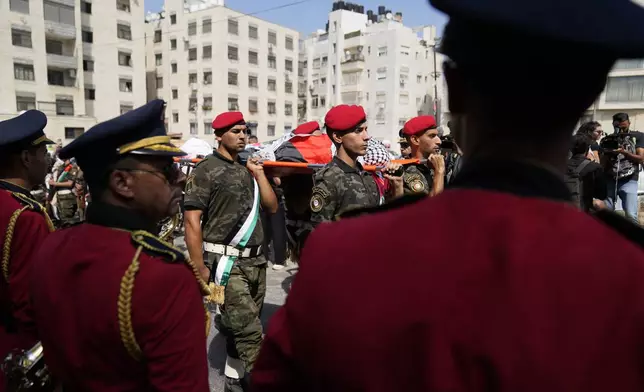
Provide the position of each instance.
(278, 283)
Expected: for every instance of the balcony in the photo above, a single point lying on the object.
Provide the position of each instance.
(61, 62)
(353, 62)
(59, 30)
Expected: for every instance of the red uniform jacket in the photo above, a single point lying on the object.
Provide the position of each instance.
(501, 288)
(77, 278)
(17, 329)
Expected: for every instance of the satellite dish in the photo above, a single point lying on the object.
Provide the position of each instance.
(389, 16)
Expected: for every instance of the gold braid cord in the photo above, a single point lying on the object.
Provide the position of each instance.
(205, 291)
(6, 248)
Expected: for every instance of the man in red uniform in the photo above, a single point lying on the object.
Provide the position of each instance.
(510, 293)
(118, 309)
(24, 223)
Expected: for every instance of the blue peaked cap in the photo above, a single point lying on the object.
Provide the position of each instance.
(25, 130)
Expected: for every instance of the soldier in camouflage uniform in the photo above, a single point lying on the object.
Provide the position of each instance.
(66, 203)
(343, 185)
(225, 195)
(428, 178)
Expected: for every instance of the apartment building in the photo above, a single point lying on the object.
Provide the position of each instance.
(205, 59)
(370, 59)
(78, 61)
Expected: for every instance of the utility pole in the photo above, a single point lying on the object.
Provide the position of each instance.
(436, 75)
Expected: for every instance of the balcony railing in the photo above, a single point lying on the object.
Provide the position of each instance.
(60, 30)
(62, 62)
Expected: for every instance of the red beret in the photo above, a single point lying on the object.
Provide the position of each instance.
(307, 128)
(419, 124)
(227, 119)
(344, 117)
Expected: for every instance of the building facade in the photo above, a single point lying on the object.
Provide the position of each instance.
(205, 59)
(370, 59)
(78, 61)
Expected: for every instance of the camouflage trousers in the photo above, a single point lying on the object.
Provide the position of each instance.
(67, 207)
(240, 314)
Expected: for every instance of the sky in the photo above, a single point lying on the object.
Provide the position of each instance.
(311, 15)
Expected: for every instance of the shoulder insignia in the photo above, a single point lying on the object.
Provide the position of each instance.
(154, 246)
(414, 182)
(624, 226)
(189, 182)
(318, 198)
(26, 201)
(400, 202)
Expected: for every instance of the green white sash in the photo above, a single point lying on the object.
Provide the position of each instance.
(239, 241)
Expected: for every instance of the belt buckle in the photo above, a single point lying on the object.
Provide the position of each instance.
(230, 251)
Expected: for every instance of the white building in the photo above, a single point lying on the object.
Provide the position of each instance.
(371, 60)
(205, 59)
(80, 62)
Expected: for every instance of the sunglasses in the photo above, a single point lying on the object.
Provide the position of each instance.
(170, 173)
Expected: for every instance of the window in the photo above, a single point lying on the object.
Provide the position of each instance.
(175, 93)
(159, 82)
(382, 73)
(419, 78)
(625, 89)
(272, 85)
(288, 42)
(25, 102)
(173, 19)
(288, 87)
(270, 130)
(301, 68)
(206, 26)
(193, 128)
(325, 61)
(381, 97)
(403, 99)
(175, 117)
(125, 85)
(630, 64)
(252, 105)
(73, 133)
(64, 107)
(53, 47)
(288, 64)
(207, 128)
(173, 44)
(314, 102)
(192, 54)
(382, 51)
(158, 36)
(88, 65)
(59, 13)
(192, 28)
(233, 27)
(402, 122)
(252, 81)
(158, 59)
(233, 104)
(232, 78)
(350, 78)
(173, 68)
(404, 50)
(288, 128)
(272, 62)
(21, 38)
(123, 5)
(323, 81)
(288, 109)
(90, 93)
(192, 78)
(316, 63)
(252, 32)
(207, 77)
(123, 32)
(252, 57)
(21, 6)
(87, 36)
(23, 72)
(207, 103)
(125, 59)
(207, 52)
(272, 38)
(272, 108)
(233, 53)
(126, 108)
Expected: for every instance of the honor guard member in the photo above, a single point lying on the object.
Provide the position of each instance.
(24, 224)
(343, 185)
(224, 237)
(405, 148)
(429, 178)
(509, 294)
(117, 308)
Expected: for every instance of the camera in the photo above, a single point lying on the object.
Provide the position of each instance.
(447, 143)
(611, 142)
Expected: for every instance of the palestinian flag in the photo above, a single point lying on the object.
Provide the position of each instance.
(304, 149)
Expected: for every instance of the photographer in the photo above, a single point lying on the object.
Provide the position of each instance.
(594, 130)
(584, 177)
(622, 155)
(453, 157)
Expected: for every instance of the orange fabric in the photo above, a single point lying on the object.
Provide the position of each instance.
(314, 149)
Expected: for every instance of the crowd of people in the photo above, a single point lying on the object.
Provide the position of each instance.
(487, 283)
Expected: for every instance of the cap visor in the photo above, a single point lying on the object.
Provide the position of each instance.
(42, 140)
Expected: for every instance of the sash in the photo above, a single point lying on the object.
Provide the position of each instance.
(239, 241)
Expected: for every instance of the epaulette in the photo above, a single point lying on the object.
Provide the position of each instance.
(622, 225)
(27, 201)
(154, 246)
(395, 204)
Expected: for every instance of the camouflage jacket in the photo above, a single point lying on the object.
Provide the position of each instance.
(339, 188)
(223, 190)
(417, 179)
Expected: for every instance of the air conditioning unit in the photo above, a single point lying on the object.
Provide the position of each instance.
(72, 73)
(193, 86)
(270, 49)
